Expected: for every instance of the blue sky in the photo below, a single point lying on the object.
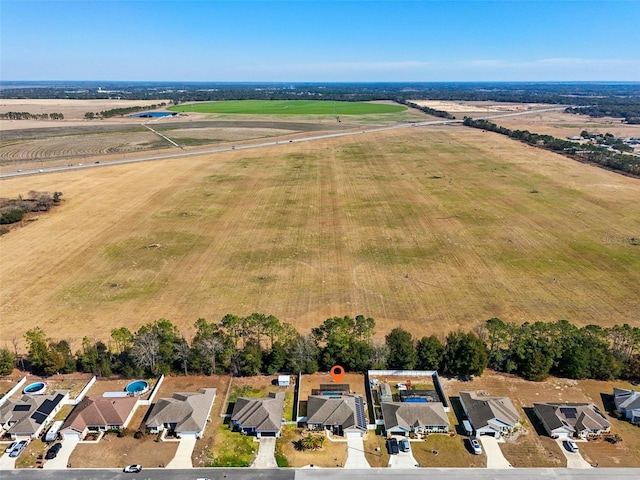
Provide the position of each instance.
(320, 40)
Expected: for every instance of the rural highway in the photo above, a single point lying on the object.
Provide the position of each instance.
(251, 146)
(329, 474)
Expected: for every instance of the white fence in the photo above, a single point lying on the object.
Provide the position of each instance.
(15, 388)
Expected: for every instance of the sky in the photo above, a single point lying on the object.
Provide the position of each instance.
(320, 40)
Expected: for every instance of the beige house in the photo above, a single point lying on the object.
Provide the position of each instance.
(185, 414)
(564, 420)
(342, 414)
(489, 415)
(95, 414)
(259, 416)
(403, 418)
(28, 416)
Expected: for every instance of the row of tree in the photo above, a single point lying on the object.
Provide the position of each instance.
(261, 344)
(13, 210)
(600, 155)
(118, 112)
(428, 110)
(31, 116)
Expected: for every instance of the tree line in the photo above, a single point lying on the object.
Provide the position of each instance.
(13, 210)
(600, 155)
(31, 116)
(115, 112)
(262, 344)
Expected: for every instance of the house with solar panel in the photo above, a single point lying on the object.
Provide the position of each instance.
(333, 407)
(28, 416)
(492, 416)
(565, 420)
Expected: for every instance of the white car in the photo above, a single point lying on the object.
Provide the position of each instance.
(475, 446)
(571, 445)
(10, 447)
(132, 469)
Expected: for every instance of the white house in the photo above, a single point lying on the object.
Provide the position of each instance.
(627, 403)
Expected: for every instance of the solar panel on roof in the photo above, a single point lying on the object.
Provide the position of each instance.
(569, 412)
(21, 408)
(39, 417)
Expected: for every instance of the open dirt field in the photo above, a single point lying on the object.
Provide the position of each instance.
(532, 449)
(428, 229)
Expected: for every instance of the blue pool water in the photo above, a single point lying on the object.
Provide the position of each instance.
(139, 387)
(154, 114)
(36, 387)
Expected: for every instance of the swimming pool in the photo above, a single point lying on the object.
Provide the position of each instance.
(137, 387)
(35, 388)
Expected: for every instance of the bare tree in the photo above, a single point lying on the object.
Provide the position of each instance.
(146, 350)
(210, 347)
(183, 350)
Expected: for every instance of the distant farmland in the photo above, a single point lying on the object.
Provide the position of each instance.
(424, 228)
(289, 107)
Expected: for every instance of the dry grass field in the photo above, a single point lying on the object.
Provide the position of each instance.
(428, 229)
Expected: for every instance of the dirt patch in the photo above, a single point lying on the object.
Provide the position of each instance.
(376, 450)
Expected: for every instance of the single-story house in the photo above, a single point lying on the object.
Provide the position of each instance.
(261, 416)
(489, 415)
(403, 418)
(564, 420)
(185, 414)
(342, 414)
(28, 416)
(627, 403)
(95, 414)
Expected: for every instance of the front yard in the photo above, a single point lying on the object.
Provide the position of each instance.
(333, 453)
(443, 450)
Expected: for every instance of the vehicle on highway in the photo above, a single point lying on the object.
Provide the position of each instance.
(53, 451)
(392, 446)
(132, 469)
(404, 445)
(17, 450)
(475, 446)
(10, 448)
(570, 445)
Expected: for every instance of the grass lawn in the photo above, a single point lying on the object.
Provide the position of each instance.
(232, 449)
(333, 454)
(375, 450)
(289, 107)
(451, 452)
(531, 451)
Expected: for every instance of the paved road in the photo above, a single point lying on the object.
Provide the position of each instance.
(249, 146)
(266, 457)
(330, 474)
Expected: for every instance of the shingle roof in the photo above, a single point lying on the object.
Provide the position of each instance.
(263, 414)
(189, 411)
(100, 412)
(576, 417)
(30, 412)
(626, 399)
(333, 410)
(411, 415)
(482, 410)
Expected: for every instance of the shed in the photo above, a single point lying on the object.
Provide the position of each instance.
(284, 380)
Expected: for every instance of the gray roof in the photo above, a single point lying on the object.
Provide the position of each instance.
(482, 410)
(262, 414)
(576, 417)
(333, 410)
(409, 415)
(30, 412)
(626, 399)
(189, 411)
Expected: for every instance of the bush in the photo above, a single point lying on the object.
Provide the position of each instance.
(138, 434)
(11, 216)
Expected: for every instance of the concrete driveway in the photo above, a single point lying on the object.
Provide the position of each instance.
(62, 459)
(355, 451)
(495, 458)
(182, 458)
(6, 462)
(266, 457)
(574, 459)
(403, 459)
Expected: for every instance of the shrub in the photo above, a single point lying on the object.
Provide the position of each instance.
(138, 434)
(11, 216)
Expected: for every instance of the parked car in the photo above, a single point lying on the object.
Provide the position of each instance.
(475, 446)
(404, 445)
(17, 450)
(53, 451)
(392, 446)
(11, 447)
(132, 469)
(570, 445)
